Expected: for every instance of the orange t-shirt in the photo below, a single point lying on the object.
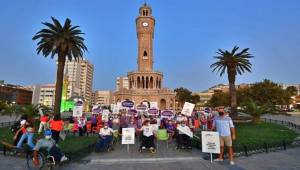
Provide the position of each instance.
(56, 125)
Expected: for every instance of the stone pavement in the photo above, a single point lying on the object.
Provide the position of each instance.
(282, 160)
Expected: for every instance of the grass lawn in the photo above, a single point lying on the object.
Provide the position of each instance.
(257, 134)
(70, 144)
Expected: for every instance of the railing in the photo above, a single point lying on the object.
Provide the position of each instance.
(282, 122)
(7, 124)
(247, 150)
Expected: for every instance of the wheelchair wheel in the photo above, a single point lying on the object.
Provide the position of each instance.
(31, 165)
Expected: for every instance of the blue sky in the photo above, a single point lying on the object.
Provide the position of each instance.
(187, 35)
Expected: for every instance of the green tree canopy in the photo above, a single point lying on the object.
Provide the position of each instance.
(185, 95)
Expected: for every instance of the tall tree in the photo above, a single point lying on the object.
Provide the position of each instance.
(234, 63)
(65, 42)
(185, 95)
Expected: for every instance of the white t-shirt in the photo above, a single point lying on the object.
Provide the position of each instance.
(106, 132)
(147, 130)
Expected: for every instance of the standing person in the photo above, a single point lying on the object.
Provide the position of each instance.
(123, 121)
(203, 121)
(82, 125)
(94, 121)
(56, 125)
(28, 134)
(224, 125)
(43, 124)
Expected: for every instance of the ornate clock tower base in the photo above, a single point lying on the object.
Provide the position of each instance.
(145, 85)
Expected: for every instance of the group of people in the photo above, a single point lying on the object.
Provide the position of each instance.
(51, 127)
(146, 127)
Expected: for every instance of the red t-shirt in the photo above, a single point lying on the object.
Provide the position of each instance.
(44, 119)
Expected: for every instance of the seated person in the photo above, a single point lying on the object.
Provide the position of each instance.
(183, 140)
(49, 144)
(106, 136)
(147, 136)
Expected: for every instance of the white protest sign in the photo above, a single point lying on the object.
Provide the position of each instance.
(77, 111)
(210, 142)
(128, 135)
(188, 108)
(153, 105)
(105, 114)
(185, 130)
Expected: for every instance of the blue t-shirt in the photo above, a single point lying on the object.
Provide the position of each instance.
(223, 125)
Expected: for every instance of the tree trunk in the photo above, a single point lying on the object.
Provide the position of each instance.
(59, 82)
(232, 93)
(256, 119)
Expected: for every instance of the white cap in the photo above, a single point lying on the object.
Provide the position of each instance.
(23, 122)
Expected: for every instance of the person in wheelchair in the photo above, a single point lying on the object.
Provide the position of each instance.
(106, 137)
(147, 137)
(50, 145)
(183, 140)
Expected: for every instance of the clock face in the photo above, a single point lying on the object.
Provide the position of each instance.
(145, 24)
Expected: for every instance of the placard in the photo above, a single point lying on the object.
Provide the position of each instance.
(153, 105)
(105, 115)
(77, 111)
(210, 142)
(128, 135)
(185, 131)
(188, 108)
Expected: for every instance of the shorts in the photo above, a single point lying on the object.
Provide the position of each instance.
(226, 140)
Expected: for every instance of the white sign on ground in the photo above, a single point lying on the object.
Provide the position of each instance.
(128, 135)
(210, 142)
(188, 108)
(185, 130)
(77, 111)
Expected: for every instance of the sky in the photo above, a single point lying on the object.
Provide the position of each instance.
(187, 35)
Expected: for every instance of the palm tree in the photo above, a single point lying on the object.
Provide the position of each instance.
(255, 110)
(30, 110)
(235, 63)
(65, 42)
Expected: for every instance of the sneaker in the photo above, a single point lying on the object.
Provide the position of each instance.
(231, 163)
(143, 147)
(64, 158)
(218, 160)
(151, 148)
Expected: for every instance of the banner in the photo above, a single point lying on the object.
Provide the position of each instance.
(188, 108)
(96, 109)
(128, 135)
(210, 142)
(77, 111)
(127, 103)
(141, 107)
(186, 131)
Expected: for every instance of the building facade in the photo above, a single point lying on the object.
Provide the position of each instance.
(145, 84)
(103, 97)
(44, 94)
(15, 94)
(122, 83)
(80, 78)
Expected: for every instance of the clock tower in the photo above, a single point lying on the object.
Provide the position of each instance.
(145, 84)
(145, 23)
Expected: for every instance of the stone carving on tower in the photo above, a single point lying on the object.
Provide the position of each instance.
(145, 84)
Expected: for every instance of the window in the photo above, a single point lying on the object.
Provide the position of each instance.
(145, 56)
